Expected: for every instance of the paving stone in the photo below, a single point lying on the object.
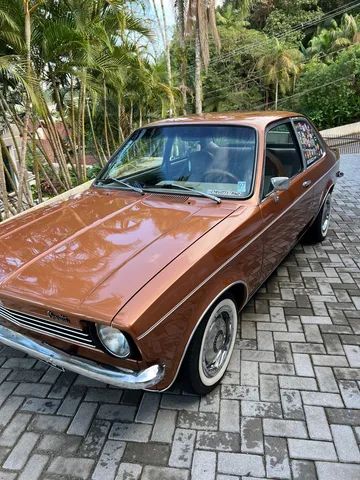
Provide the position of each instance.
(326, 379)
(60, 444)
(130, 432)
(303, 470)
(277, 460)
(284, 428)
(198, 420)
(147, 453)
(249, 373)
(182, 448)
(164, 473)
(258, 356)
(251, 435)
(239, 392)
(129, 471)
(14, 429)
(49, 423)
(211, 401)
(34, 467)
(121, 413)
(345, 443)
(322, 399)
(311, 450)
(303, 365)
(83, 418)
(297, 383)
(148, 408)
(350, 393)
(95, 438)
(71, 402)
(221, 441)
(21, 452)
(75, 466)
(336, 471)
(269, 388)
(277, 368)
(164, 427)
(8, 409)
(40, 405)
(261, 409)
(317, 424)
(229, 416)
(103, 395)
(204, 465)
(343, 416)
(241, 464)
(180, 402)
(352, 353)
(330, 360)
(292, 404)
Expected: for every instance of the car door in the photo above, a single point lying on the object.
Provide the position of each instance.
(285, 214)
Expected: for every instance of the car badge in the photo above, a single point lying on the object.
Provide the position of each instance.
(58, 317)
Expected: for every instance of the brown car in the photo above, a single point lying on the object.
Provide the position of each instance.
(146, 270)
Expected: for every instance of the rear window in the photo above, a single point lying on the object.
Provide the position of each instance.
(309, 141)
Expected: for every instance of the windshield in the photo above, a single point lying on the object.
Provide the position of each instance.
(213, 159)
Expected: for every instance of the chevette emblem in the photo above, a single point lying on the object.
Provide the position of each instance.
(58, 317)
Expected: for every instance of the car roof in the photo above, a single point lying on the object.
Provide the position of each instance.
(255, 119)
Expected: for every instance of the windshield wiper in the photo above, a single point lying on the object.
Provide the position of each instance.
(106, 181)
(207, 195)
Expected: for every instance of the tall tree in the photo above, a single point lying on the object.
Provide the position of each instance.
(279, 65)
(201, 23)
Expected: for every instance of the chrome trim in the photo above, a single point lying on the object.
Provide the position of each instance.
(230, 259)
(113, 376)
(40, 325)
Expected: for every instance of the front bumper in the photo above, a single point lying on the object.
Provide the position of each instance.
(122, 378)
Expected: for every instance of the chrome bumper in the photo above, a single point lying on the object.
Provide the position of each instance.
(122, 378)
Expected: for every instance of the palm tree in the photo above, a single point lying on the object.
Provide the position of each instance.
(280, 65)
(200, 22)
(328, 41)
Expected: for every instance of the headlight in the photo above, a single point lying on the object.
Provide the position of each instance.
(114, 341)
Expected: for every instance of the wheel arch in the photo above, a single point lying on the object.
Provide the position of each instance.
(239, 290)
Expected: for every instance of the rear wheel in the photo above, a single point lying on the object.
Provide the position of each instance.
(211, 346)
(319, 229)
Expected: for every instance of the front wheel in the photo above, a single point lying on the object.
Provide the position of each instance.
(319, 229)
(212, 345)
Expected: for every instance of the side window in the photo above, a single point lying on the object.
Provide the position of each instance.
(309, 141)
(283, 157)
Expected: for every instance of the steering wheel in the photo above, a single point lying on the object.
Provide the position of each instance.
(217, 174)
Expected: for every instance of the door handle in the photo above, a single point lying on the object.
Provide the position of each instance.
(306, 184)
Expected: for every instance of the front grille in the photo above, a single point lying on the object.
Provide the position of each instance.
(41, 325)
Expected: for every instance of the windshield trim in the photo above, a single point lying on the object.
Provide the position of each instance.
(97, 181)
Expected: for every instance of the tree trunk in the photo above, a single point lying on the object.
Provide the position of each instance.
(106, 133)
(22, 167)
(3, 189)
(198, 83)
(276, 94)
(121, 133)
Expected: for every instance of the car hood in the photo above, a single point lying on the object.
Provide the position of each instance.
(88, 255)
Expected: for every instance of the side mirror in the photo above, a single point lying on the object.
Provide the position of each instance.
(280, 183)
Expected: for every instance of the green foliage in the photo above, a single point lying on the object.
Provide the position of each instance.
(330, 92)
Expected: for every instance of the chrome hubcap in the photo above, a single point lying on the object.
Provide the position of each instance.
(325, 221)
(217, 342)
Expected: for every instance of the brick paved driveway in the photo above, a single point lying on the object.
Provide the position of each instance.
(289, 406)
